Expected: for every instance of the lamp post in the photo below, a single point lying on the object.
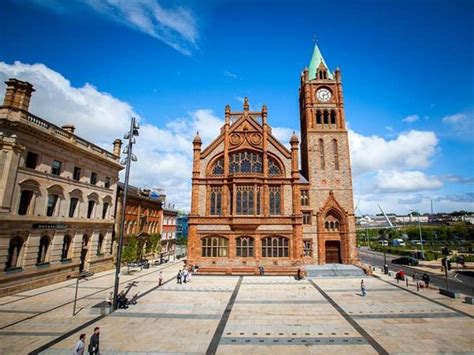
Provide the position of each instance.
(421, 236)
(130, 135)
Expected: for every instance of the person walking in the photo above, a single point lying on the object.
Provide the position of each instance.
(189, 276)
(178, 278)
(362, 288)
(426, 280)
(109, 298)
(184, 275)
(94, 343)
(160, 279)
(80, 345)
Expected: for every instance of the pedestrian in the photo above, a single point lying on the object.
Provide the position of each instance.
(80, 345)
(299, 274)
(94, 343)
(362, 288)
(160, 279)
(426, 280)
(189, 276)
(184, 276)
(178, 278)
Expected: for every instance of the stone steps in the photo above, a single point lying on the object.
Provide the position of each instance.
(333, 270)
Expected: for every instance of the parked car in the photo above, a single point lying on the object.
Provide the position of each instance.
(384, 243)
(398, 242)
(405, 260)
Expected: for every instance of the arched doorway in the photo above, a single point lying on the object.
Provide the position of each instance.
(84, 250)
(333, 252)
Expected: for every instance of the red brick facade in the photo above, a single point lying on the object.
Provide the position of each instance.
(251, 206)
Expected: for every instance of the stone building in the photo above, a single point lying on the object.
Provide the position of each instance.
(57, 195)
(251, 204)
(168, 232)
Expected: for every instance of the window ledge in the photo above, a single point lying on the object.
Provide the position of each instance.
(43, 265)
(13, 270)
(66, 261)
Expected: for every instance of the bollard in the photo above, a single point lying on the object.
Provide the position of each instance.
(398, 280)
(417, 286)
(406, 279)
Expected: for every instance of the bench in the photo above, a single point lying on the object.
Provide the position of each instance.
(102, 308)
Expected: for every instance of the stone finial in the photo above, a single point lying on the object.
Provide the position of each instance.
(294, 138)
(18, 94)
(197, 139)
(117, 147)
(69, 128)
(246, 104)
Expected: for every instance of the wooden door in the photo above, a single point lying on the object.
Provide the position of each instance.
(333, 252)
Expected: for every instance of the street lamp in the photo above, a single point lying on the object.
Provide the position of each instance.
(130, 135)
(421, 236)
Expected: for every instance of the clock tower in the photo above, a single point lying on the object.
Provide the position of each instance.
(325, 163)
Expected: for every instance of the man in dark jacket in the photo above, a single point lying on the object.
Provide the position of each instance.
(94, 343)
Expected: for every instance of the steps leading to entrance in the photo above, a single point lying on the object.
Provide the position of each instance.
(333, 270)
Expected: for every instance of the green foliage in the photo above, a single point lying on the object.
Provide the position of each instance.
(182, 241)
(130, 251)
(154, 243)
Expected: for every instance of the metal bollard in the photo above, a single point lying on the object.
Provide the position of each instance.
(406, 279)
(417, 286)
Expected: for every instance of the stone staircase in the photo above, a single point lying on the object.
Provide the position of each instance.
(334, 270)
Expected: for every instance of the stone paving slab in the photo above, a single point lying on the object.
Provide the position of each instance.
(242, 315)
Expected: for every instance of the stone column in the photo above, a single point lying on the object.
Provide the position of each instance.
(10, 152)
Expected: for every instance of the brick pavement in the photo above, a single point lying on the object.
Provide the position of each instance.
(250, 314)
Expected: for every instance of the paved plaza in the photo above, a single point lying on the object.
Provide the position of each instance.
(239, 315)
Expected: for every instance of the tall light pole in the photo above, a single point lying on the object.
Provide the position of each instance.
(421, 236)
(130, 135)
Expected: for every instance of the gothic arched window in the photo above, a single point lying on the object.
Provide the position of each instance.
(273, 167)
(319, 117)
(275, 200)
(14, 253)
(333, 116)
(245, 163)
(218, 168)
(244, 247)
(275, 247)
(216, 201)
(213, 247)
(326, 117)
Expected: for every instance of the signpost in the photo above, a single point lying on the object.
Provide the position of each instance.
(81, 276)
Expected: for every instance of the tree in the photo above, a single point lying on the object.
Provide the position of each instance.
(129, 252)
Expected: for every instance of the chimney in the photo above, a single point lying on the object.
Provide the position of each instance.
(18, 94)
(117, 147)
(69, 128)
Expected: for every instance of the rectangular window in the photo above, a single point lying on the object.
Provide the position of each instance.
(107, 182)
(25, 200)
(275, 200)
(105, 208)
(52, 201)
(304, 198)
(308, 248)
(72, 206)
(90, 208)
(31, 160)
(77, 173)
(56, 167)
(216, 201)
(306, 217)
(321, 154)
(93, 178)
(245, 200)
(336, 154)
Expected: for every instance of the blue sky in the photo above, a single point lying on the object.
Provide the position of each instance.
(406, 65)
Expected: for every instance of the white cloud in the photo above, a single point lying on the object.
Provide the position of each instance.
(385, 170)
(174, 25)
(454, 119)
(461, 124)
(230, 75)
(410, 150)
(405, 181)
(411, 118)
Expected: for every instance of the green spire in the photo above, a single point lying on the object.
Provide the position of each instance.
(316, 59)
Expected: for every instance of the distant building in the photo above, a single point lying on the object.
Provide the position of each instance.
(168, 232)
(182, 226)
(57, 196)
(142, 215)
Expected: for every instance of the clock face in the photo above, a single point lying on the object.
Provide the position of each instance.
(323, 95)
